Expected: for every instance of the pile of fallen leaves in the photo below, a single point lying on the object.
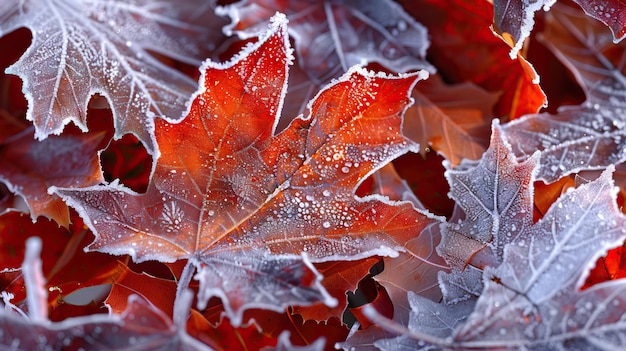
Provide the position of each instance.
(393, 175)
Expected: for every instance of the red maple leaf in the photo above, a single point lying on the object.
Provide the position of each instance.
(250, 209)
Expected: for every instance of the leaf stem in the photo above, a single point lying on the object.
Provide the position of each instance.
(182, 303)
(36, 293)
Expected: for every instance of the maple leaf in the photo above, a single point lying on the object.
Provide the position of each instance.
(250, 209)
(30, 167)
(332, 36)
(537, 285)
(83, 47)
(588, 136)
(450, 118)
(495, 194)
(514, 19)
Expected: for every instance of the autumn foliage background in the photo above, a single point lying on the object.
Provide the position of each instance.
(398, 187)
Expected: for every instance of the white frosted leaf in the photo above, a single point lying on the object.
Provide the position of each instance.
(533, 300)
(82, 47)
(495, 193)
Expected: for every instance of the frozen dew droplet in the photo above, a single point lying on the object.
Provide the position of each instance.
(326, 225)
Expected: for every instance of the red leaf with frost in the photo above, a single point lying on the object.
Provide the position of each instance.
(251, 210)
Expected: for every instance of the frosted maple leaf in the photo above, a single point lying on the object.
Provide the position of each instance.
(251, 210)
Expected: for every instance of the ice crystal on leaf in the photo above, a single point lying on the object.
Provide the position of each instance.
(82, 47)
(588, 136)
(250, 209)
